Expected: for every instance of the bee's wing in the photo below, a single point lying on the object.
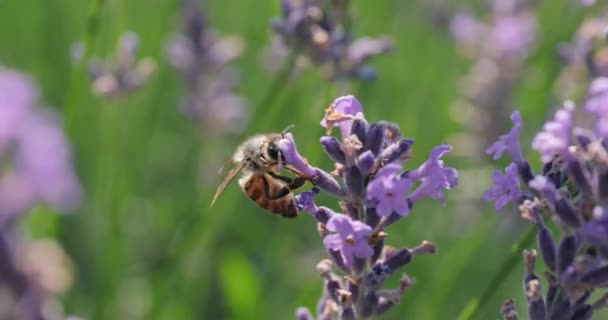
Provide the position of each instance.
(227, 180)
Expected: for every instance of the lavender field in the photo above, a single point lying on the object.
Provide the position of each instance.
(426, 159)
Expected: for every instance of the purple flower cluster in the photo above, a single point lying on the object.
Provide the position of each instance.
(499, 45)
(319, 32)
(202, 58)
(36, 158)
(35, 169)
(572, 190)
(120, 74)
(375, 192)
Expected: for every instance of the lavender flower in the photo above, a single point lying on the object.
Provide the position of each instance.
(509, 142)
(350, 238)
(121, 73)
(202, 59)
(319, 32)
(389, 190)
(505, 189)
(567, 192)
(34, 144)
(374, 192)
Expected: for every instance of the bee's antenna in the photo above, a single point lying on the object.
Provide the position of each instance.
(289, 127)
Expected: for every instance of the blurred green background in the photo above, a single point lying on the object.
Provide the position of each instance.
(145, 243)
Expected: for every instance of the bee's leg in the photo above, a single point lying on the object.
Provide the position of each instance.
(294, 184)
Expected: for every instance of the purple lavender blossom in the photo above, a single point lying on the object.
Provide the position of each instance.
(350, 238)
(505, 189)
(123, 72)
(465, 29)
(374, 192)
(389, 190)
(341, 114)
(37, 149)
(509, 142)
(555, 137)
(318, 32)
(202, 58)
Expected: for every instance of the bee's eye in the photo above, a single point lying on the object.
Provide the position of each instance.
(274, 153)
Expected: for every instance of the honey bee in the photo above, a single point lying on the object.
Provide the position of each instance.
(259, 158)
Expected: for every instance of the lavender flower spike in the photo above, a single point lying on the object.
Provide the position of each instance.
(350, 238)
(509, 142)
(506, 187)
(555, 137)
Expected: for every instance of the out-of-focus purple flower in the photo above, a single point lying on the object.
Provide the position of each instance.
(36, 150)
(350, 238)
(319, 33)
(389, 190)
(341, 114)
(587, 3)
(202, 59)
(465, 29)
(506, 187)
(44, 156)
(513, 34)
(17, 96)
(509, 142)
(123, 72)
(555, 137)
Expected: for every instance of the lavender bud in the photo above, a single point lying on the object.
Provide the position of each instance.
(366, 162)
(536, 305)
(547, 167)
(367, 306)
(508, 310)
(562, 310)
(552, 291)
(359, 265)
(584, 312)
(602, 186)
(375, 278)
(398, 260)
(395, 151)
(566, 213)
(566, 250)
(378, 247)
(302, 313)
(353, 179)
(584, 137)
(332, 287)
(353, 288)
(337, 259)
(371, 217)
(332, 148)
(326, 182)
(547, 247)
(359, 128)
(347, 314)
(596, 276)
(322, 214)
(577, 173)
(525, 172)
(374, 138)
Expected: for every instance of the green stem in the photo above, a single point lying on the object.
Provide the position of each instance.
(78, 74)
(473, 307)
